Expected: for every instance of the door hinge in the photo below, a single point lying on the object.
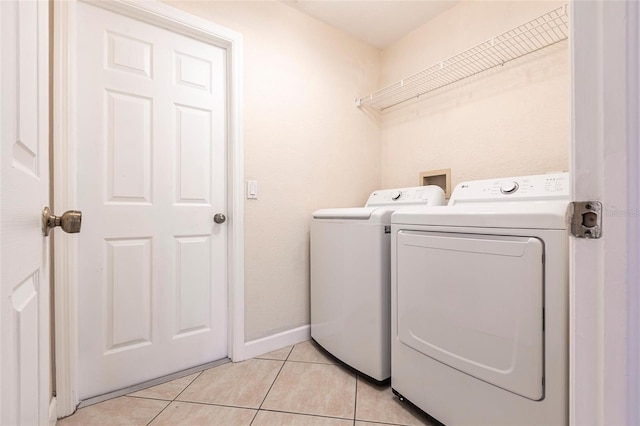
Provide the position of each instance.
(586, 219)
(387, 229)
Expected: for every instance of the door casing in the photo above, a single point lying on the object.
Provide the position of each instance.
(65, 172)
(605, 166)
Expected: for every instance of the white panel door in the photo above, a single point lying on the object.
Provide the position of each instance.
(24, 265)
(151, 132)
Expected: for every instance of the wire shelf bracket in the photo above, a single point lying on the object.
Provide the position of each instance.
(541, 32)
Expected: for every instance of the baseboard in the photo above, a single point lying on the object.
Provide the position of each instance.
(53, 415)
(276, 341)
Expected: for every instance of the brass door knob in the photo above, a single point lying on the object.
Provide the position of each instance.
(70, 221)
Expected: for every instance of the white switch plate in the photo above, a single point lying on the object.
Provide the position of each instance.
(252, 190)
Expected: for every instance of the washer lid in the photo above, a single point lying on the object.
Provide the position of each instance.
(383, 202)
(429, 195)
(355, 213)
(532, 215)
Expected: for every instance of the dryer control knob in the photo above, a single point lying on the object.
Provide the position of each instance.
(509, 188)
(396, 195)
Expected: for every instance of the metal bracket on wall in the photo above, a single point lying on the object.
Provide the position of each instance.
(586, 219)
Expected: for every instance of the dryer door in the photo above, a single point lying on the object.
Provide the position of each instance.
(475, 303)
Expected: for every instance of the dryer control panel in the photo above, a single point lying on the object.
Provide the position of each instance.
(430, 195)
(553, 186)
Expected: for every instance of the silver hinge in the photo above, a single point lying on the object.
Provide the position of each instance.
(586, 219)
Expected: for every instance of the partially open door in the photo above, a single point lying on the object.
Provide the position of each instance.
(25, 394)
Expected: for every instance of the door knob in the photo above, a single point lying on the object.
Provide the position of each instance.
(70, 221)
(219, 218)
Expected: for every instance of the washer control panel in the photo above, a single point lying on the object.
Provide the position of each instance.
(525, 188)
(428, 195)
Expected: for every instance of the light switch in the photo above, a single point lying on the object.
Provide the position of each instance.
(252, 190)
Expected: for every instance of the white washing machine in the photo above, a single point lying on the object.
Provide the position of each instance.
(350, 278)
(480, 303)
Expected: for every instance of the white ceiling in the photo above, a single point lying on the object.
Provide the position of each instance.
(377, 22)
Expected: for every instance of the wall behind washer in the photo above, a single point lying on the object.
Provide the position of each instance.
(512, 120)
(309, 147)
(304, 142)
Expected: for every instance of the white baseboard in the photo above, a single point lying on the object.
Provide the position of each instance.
(53, 415)
(275, 341)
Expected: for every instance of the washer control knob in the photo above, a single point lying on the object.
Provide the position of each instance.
(395, 195)
(509, 187)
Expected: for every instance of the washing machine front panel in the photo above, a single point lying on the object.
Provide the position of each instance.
(350, 287)
(350, 278)
(475, 303)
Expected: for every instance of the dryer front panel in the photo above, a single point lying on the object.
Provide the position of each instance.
(475, 303)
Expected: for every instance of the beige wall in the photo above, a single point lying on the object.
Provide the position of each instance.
(304, 142)
(509, 121)
(309, 147)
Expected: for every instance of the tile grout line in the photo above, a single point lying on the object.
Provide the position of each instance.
(240, 407)
(315, 362)
(308, 415)
(145, 397)
(355, 402)
(190, 383)
(271, 387)
(159, 412)
(169, 402)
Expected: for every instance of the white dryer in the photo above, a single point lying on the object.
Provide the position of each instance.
(480, 303)
(350, 278)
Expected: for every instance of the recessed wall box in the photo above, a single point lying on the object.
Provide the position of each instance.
(441, 178)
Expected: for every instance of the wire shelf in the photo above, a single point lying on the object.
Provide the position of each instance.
(544, 31)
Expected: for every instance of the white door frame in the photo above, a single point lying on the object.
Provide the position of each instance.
(605, 166)
(65, 170)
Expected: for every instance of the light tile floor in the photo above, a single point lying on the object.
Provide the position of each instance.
(298, 385)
